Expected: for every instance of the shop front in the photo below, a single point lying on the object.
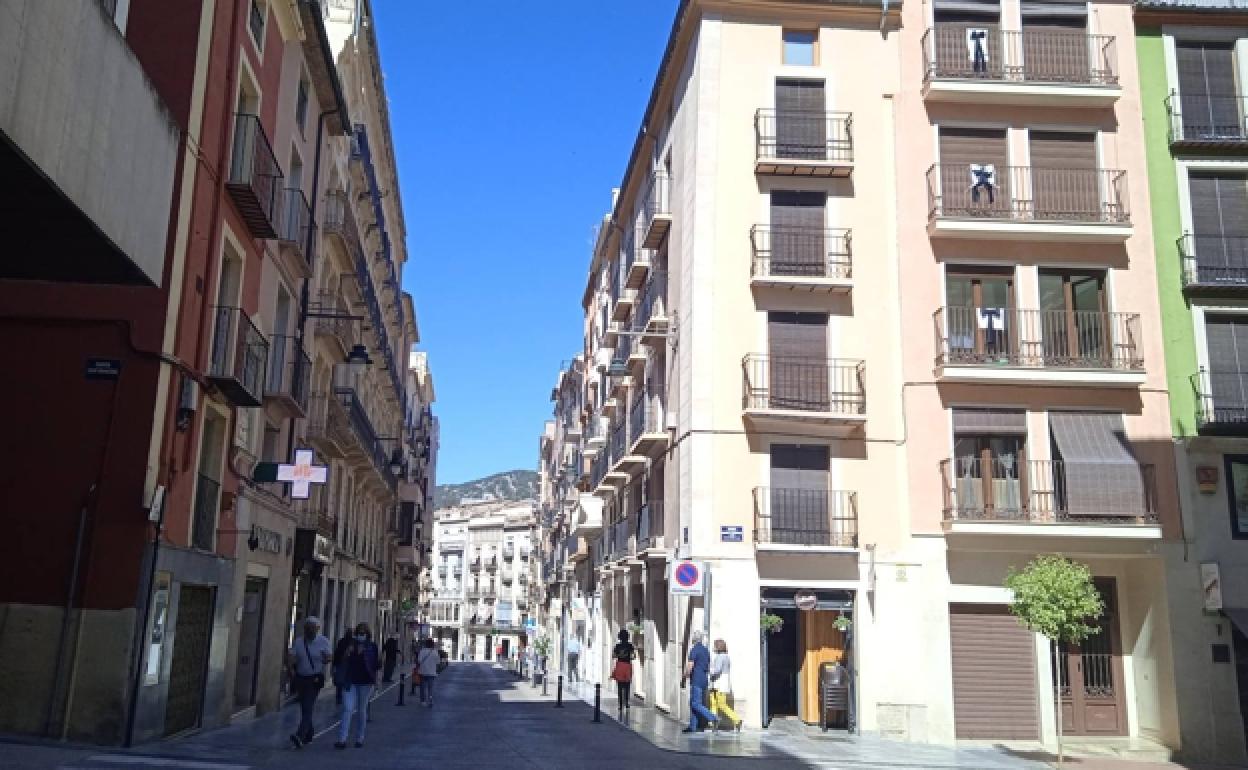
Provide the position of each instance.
(807, 660)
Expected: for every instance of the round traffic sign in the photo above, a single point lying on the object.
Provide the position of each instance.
(687, 574)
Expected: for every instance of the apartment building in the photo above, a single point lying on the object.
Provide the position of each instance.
(184, 311)
(450, 543)
(862, 344)
(1190, 60)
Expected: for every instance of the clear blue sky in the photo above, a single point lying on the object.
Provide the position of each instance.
(512, 122)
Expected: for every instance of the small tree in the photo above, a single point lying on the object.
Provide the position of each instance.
(1055, 597)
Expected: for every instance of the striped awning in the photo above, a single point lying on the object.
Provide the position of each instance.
(1054, 9)
(990, 422)
(1101, 475)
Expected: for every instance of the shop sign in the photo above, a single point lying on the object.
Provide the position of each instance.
(687, 579)
(265, 540)
(302, 474)
(385, 605)
(323, 550)
(732, 534)
(805, 600)
(1211, 584)
(156, 635)
(1207, 479)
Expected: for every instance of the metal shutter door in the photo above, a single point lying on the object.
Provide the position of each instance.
(1207, 91)
(994, 675)
(1059, 192)
(959, 149)
(801, 120)
(797, 229)
(1219, 226)
(798, 348)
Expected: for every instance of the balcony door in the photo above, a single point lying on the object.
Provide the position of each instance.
(1073, 320)
(979, 314)
(1219, 238)
(801, 120)
(974, 178)
(1209, 102)
(990, 464)
(799, 504)
(1055, 41)
(1226, 340)
(797, 346)
(1065, 186)
(798, 225)
(966, 40)
(1090, 675)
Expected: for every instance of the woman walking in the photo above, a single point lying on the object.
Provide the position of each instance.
(427, 661)
(624, 653)
(360, 666)
(721, 684)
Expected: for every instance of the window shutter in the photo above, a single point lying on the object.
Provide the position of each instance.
(1059, 193)
(801, 120)
(1207, 90)
(798, 224)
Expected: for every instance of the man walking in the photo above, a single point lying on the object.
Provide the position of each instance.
(308, 657)
(390, 656)
(697, 671)
(574, 659)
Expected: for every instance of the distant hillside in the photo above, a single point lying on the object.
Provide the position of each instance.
(508, 485)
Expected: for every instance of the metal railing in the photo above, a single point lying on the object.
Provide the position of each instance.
(509, 552)
(796, 135)
(615, 447)
(652, 304)
(327, 422)
(650, 525)
(803, 383)
(1041, 491)
(1207, 118)
(255, 20)
(792, 516)
(1045, 339)
(1221, 399)
(1031, 56)
(621, 543)
(793, 251)
(371, 446)
(645, 414)
(598, 469)
(295, 223)
(1027, 194)
(1211, 261)
(290, 370)
(207, 503)
(658, 198)
(240, 354)
(255, 177)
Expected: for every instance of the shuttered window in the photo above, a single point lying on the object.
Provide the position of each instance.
(1055, 42)
(960, 148)
(799, 493)
(961, 26)
(798, 352)
(801, 120)
(1226, 339)
(1219, 206)
(1065, 185)
(994, 675)
(1208, 95)
(797, 233)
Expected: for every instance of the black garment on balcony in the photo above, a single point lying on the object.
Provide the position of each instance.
(1097, 475)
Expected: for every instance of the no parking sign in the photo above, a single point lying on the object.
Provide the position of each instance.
(687, 578)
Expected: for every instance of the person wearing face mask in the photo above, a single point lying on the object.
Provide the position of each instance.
(360, 667)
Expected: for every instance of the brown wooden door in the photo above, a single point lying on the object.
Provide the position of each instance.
(1090, 676)
(994, 675)
(821, 643)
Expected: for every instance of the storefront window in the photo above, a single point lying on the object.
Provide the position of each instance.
(1237, 487)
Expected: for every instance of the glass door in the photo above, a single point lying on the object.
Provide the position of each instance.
(991, 478)
(1073, 320)
(979, 317)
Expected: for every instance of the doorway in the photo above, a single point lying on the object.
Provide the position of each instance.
(1090, 676)
(782, 665)
(506, 643)
(249, 635)
(191, 640)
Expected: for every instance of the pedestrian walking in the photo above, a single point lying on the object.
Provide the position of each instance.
(427, 661)
(309, 655)
(390, 655)
(622, 672)
(721, 685)
(574, 659)
(340, 656)
(360, 664)
(697, 673)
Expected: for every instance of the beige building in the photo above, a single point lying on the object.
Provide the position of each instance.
(862, 344)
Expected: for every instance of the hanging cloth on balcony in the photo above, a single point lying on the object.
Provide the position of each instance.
(976, 49)
(983, 179)
(1097, 475)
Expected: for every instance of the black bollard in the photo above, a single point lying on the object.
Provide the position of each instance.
(400, 689)
(597, 703)
(559, 693)
(544, 679)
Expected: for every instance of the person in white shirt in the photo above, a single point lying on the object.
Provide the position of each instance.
(721, 684)
(574, 659)
(309, 655)
(427, 661)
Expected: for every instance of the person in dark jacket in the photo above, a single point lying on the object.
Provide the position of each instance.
(390, 658)
(623, 654)
(360, 665)
(340, 654)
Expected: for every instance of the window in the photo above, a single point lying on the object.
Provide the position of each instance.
(799, 47)
(979, 315)
(256, 22)
(990, 463)
(301, 105)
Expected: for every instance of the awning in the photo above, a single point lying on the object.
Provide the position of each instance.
(1238, 616)
(1098, 475)
(1054, 8)
(986, 7)
(785, 598)
(990, 422)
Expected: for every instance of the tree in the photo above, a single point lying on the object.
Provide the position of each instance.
(1055, 597)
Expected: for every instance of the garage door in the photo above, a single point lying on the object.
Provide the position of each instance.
(994, 675)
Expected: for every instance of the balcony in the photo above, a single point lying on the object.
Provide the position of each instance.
(1041, 67)
(652, 318)
(240, 354)
(290, 375)
(1024, 203)
(296, 230)
(1221, 402)
(650, 534)
(1207, 122)
(207, 503)
(328, 430)
(798, 143)
(333, 320)
(1042, 347)
(647, 431)
(805, 519)
(657, 211)
(508, 576)
(1004, 496)
(617, 474)
(818, 396)
(623, 300)
(255, 181)
(367, 447)
(1214, 265)
(442, 571)
(476, 565)
(812, 259)
(491, 564)
(509, 552)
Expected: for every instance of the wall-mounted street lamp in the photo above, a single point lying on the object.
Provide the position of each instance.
(358, 359)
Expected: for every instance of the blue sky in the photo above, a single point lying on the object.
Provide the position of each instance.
(512, 122)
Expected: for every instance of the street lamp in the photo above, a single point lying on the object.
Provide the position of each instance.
(358, 359)
(396, 462)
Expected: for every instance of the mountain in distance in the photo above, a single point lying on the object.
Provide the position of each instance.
(508, 485)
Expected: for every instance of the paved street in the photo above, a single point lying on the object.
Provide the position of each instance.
(485, 718)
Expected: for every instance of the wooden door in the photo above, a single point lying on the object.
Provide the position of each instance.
(821, 643)
(191, 640)
(1090, 676)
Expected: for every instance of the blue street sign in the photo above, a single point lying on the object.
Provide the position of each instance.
(732, 534)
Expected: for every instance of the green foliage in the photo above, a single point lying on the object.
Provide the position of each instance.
(770, 623)
(843, 623)
(1055, 596)
(542, 645)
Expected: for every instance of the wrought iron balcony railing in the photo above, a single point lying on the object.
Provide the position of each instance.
(327, 425)
(295, 224)
(240, 354)
(1042, 339)
(1028, 194)
(650, 524)
(1040, 56)
(255, 181)
(368, 442)
(1214, 262)
(795, 135)
(793, 251)
(656, 210)
(1221, 401)
(645, 414)
(1208, 119)
(807, 517)
(801, 383)
(651, 313)
(290, 372)
(1046, 492)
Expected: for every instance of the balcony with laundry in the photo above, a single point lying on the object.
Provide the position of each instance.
(816, 395)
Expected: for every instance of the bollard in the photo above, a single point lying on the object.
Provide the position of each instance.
(597, 703)
(559, 693)
(544, 678)
(400, 689)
